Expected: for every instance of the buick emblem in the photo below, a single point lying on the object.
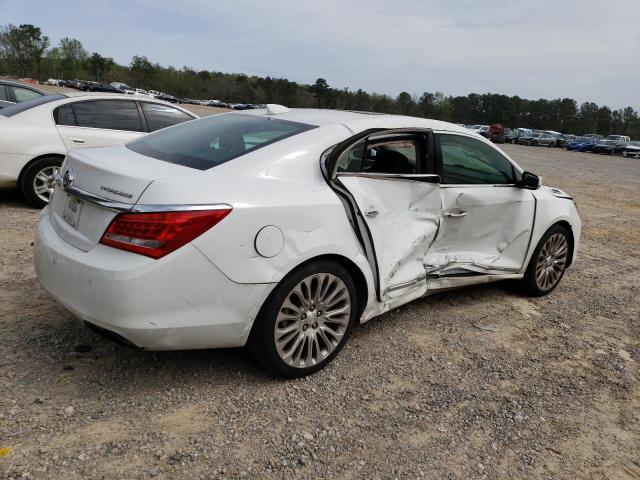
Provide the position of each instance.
(69, 177)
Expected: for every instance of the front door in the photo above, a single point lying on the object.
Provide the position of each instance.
(487, 220)
(385, 175)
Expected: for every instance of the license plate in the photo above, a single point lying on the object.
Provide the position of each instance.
(72, 211)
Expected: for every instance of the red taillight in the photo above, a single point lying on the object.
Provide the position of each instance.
(157, 234)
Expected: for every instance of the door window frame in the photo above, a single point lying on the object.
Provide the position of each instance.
(517, 171)
(141, 115)
(425, 154)
(146, 121)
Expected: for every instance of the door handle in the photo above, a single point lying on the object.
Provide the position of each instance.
(371, 211)
(77, 140)
(455, 213)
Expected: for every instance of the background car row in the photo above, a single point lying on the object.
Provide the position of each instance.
(119, 87)
(590, 142)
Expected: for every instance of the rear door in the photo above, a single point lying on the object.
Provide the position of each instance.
(98, 123)
(487, 219)
(398, 202)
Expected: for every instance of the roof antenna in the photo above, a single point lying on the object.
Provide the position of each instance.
(275, 109)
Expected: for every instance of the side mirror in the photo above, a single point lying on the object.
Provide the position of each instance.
(530, 181)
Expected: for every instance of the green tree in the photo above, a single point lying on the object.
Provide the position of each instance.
(404, 104)
(142, 70)
(322, 92)
(22, 47)
(98, 65)
(72, 57)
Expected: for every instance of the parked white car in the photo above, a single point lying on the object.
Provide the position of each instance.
(280, 229)
(35, 135)
(479, 129)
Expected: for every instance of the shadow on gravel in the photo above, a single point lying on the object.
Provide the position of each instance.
(13, 199)
(71, 351)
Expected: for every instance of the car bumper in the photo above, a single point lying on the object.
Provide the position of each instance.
(180, 301)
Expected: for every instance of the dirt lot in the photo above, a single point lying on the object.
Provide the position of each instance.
(477, 383)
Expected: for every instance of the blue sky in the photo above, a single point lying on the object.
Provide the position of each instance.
(584, 49)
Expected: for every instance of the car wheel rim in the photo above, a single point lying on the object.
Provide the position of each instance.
(313, 320)
(44, 182)
(551, 261)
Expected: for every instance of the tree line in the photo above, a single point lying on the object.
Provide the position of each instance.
(26, 52)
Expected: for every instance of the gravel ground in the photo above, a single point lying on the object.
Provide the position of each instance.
(475, 383)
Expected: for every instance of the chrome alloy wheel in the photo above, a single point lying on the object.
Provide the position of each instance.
(44, 182)
(551, 261)
(312, 320)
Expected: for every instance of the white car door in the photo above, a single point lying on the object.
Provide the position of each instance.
(385, 175)
(487, 220)
(97, 123)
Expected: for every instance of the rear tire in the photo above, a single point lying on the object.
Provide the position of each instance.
(548, 262)
(306, 320)
(38, 180)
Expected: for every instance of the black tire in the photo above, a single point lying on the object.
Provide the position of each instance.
(528, 284)
(261, 341)
(29, 175)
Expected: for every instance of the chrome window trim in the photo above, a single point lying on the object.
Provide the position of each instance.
(391, 176)
(469, 185)
(135, 208)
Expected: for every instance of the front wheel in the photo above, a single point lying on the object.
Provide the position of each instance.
(306, 320)
(38, 180)
(548, 262)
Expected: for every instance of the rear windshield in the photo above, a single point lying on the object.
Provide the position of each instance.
(213, 140)
(12, 110)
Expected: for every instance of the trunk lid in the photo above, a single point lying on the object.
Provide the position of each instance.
(116, 174)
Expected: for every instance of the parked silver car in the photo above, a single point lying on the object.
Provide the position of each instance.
(544, 140)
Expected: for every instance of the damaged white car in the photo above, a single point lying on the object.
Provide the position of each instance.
(280, 229)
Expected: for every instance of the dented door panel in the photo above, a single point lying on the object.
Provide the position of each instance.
(403, 217)
(489, 231)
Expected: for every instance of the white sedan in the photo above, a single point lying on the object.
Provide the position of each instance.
(280, 229)
(35, 135)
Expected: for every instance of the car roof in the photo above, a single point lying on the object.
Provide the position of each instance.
(20, 84)
(121, 96)
(356, 121)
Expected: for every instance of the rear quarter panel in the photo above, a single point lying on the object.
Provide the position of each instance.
(279, 185)
(24, 137)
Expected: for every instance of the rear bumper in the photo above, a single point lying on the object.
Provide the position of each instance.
(180, 301)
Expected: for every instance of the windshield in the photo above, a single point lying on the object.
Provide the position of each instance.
(12, 110)
(608, 142)
(213, 140)
(635, 144)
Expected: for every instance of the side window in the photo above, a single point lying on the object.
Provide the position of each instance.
(64, 115)
(4, 94)
(160, 116)
(23, 94)
(388, 155)
(108, 114)
(469, 161)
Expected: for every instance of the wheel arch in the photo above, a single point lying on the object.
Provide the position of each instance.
(567, 226)
(358, 276)
(354, 270)
(35, 159)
